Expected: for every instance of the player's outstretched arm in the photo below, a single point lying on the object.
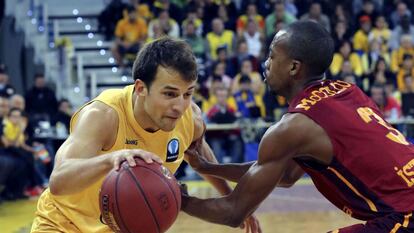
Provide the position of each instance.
(77, 164)
(277, 148)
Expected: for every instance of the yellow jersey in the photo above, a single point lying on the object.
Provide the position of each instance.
(80, 212)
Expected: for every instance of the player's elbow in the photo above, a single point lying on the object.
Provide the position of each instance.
(55, 187)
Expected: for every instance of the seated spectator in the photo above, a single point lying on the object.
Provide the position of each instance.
(360, 40)
(340, 33)
(155, 32)
(404, 28)
(279, 14)
(382, 74)
(315, 14)
(142, 9)
(224, 142)
(229, 21)
(251, 14)
(242, 54)
(219, 37)
(194, 40)
(397, 56)
(249, 105)
(14, 141)
(407, 69)
(41, 101)
(341, 15)
(223, 57)
(193, 19)
(346, 54)
(388, 106)
(370, 58)
(400, 12)
(381, 33)
(5, 88)
(254, 39)
(173, 10)
(258, 85)
(219, 74)
(63, 115)
(131, 33)
(168, 25)
(209, 102)
(109, 17)
(408, 83)
(368, 9)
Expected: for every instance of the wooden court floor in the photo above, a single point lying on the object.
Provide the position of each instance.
(300, 209)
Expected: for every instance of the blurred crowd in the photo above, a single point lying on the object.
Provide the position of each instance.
(26, 152)
(374, 42)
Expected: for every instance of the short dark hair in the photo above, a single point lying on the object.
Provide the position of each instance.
(245, 79)
(168, 53)
(311, 44)
(14, 110)
(39, 75)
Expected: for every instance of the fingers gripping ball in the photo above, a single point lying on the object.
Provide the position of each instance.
(141, 199)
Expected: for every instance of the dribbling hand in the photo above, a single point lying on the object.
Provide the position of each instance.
(117, 157)
(251, 225)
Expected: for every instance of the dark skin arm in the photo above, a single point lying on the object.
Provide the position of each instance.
(279, 146)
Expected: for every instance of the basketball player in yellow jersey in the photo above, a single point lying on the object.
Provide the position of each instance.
(153, 119)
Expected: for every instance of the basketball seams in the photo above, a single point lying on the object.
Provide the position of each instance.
(145, 197)
(116, 202)
(168, 184)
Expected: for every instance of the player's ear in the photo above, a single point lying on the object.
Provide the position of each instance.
(140, 88)
(295, 67)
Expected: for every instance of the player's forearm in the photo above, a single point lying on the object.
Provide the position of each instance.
(74, 175)
(219, 211)
(232, 171)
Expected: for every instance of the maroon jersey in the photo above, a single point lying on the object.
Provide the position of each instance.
(372, 171)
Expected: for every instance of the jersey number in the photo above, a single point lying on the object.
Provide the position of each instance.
(367, 114)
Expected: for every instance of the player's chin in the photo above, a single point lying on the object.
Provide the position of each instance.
(169, 125)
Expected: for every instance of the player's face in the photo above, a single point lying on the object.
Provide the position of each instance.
(168, 98)
(278, 66)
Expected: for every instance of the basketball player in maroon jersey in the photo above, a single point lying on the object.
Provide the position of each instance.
(333, 132)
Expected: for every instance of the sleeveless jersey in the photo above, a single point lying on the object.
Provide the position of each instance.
(81, 210)
(372, 171)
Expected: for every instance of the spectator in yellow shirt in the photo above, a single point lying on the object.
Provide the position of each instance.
(130, 34)
(381, 32)
(406, 47)
(361, 36)
(345, 54)
(406, 69)
(251, 14)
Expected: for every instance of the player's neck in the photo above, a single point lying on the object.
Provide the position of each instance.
(300, 86)
(141, 116)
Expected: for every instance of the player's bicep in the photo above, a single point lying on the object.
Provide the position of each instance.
(91, 132)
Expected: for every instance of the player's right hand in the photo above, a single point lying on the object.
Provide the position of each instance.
(117, 157)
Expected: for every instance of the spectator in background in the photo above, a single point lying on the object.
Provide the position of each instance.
(382, 74)
(346, 54)
(400, 12)
(228, 20)
(408, 83)
(219, 74)
(381, 32)
(254, 39)
(193, 19)
(360, 40)
(130, 34)
(194, 39)
(41, 100)
(223, 57)
(405, 48)
(251, 14)
(368, 9)
(168, 25)
(219, 37)
(173, 10)
(388, 106)
(279, 14)
(142, 10)
(5, 88)
(375, 52)
(63, 114)
(340, 33)
(109, 17)
(404, 28)
(242, 54)
(341, 15)
(249, 105)
(155, 32)
(257, 83)
(407, 69)
(208, 103)
(224, 142)
(315, 14)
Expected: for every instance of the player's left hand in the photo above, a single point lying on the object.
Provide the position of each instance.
(251, 224)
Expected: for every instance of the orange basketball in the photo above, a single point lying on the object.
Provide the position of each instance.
(141, 199)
